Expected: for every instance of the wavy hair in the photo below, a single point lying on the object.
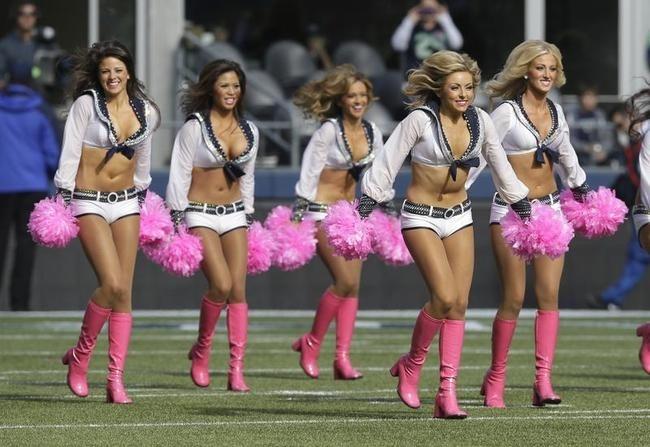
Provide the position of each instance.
(638, 107)
(199, 97)
(86, 70)
(425, 83)
(320, 99)
(509, 82)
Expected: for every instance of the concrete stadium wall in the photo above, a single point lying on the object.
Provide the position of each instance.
(63, 279)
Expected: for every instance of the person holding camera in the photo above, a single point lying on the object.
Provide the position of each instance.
(426, 29)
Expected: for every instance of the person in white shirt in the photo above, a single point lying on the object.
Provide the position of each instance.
(639, 106)
(427, 28)
(446, 137)
(535, 136)
(210, 189)
(104, 174)
(336, 157)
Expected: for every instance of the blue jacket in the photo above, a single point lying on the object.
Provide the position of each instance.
(29, 150)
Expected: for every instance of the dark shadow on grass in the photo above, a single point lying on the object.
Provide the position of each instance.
(599, 389)
(606, 376)
(275, 411)
(45, 399)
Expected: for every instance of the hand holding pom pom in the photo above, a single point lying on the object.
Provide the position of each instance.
(260, 249)
(52, 224)
(155, 221)
(387, 241)
(545, 233)
(294, 243)
(599, 214)
(346, 232)
(181, 254)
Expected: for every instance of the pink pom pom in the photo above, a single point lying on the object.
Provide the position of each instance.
(181, 254)
(348, 235)
(600, 215)
(387, 241)
(155, 222)
(547, 233)
(52, 224)
(294, 244)
(260, 249)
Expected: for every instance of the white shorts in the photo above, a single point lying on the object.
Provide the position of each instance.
(640, 216)
(499, 207)
(111, 206)
(442, 221)
(219, 218)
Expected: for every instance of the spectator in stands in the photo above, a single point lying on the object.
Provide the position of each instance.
(590, 131)
(317, 46)
(427, 28)
(29, 151)
(18, 48)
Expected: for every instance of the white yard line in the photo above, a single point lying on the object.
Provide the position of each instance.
(557, 416)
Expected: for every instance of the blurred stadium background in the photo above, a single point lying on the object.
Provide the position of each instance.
(282, 44)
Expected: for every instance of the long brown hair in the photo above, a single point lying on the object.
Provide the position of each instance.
(320, 99)
(199, 97)
(86, 70)
(638, 106)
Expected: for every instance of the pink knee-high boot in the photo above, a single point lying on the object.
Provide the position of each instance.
(201, 350)
(644, 352)
(409, 366)
(237, 322)
(495, 379)
(78, 358)
(119, 336)
(309, 344)
(345, 318)
(547, 323)
(452, 334)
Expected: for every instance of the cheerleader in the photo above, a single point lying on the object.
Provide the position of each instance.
(103, 174)
(639, 107)
(333, 162)
(446, 136)
(210, 189)
(535, 138)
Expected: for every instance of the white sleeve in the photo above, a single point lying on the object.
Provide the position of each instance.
(313, 160)
(75, 128)
(247, 181)
(644, 165)
(378, 181)
(379, 148)
(142, 177)
(454, 36)
(180, 170)
(402, 35)
(570, 171)
(509, 187)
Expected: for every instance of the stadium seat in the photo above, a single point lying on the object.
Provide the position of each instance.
(263, 94)
(290, 64)
(364, 57)
(388, 87)
(381, 117)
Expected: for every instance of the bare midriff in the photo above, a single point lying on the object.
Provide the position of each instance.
(537, 177)
(92, 173)
(432, 185)
(211, 185)
(335, 185)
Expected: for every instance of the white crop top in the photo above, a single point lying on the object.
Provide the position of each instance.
(421, 135)
(89, 124)
(518, 135)
(644, 164)
(329, 148)
(197, 146)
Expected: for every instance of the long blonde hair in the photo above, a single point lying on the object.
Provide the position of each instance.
(424, 83)
(509, 82)
(320, 99)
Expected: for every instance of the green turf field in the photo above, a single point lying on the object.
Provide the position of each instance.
(606, 395)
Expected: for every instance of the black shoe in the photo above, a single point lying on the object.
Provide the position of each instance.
(596, 302)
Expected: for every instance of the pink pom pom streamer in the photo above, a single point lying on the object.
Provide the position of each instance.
(294, 244)
(348, 235)
(155, 222)
(52, 224)
(387, 241)
(260, 249)
(547, 233)
(600, 215)
(181, 254)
